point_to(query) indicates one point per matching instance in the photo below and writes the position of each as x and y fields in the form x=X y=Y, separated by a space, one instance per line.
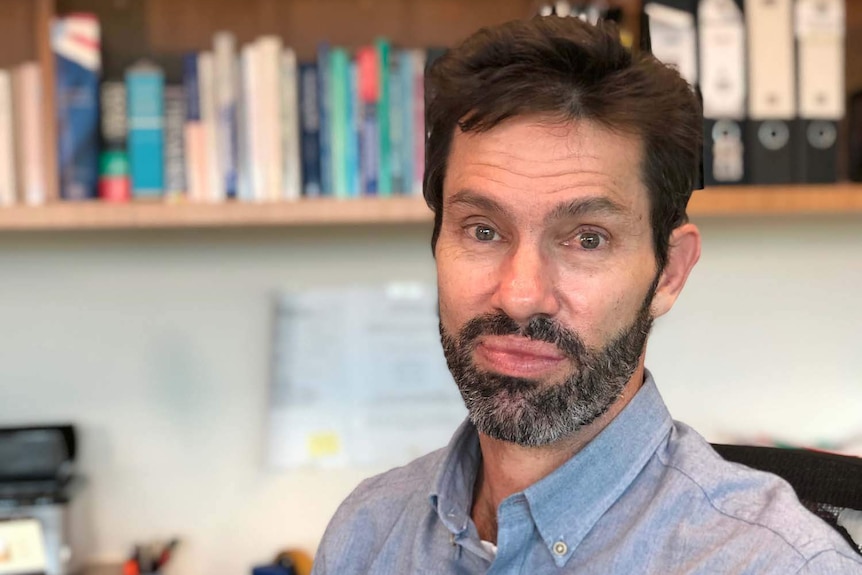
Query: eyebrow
x=472 y=199
x=593 y=205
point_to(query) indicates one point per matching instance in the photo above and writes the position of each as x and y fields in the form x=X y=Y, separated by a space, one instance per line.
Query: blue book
x=145 y=86
x=353 y=132
x=192 y=87
x=309 y=120
x=75 y=43
x=324 y=102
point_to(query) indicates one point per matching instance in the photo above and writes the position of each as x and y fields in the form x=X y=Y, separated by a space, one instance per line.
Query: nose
x=526 y=285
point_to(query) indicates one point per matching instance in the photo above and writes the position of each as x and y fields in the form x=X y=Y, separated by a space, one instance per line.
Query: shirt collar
x=566 y=504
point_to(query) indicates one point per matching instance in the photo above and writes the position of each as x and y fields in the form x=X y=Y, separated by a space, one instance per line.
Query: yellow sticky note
x=324 y=444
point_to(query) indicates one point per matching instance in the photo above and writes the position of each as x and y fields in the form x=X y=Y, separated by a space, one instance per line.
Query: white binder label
x=771 y=62
x=820 y=33
x=722 y=59
x=673 y=39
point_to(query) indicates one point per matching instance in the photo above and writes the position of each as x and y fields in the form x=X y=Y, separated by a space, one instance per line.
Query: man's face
x=546 y=272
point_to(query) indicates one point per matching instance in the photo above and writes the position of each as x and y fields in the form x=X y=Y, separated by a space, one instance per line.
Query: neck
x=508 y=468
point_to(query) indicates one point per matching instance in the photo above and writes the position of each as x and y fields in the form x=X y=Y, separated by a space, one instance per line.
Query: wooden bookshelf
x=714 y=202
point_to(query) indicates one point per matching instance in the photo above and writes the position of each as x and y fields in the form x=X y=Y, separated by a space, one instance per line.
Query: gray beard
x=527 y=412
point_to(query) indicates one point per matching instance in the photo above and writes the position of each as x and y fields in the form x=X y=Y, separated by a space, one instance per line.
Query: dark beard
x=532 y=413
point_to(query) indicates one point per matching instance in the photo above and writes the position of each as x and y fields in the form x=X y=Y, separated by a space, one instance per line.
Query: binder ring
x=822 y=135
x=773 y=134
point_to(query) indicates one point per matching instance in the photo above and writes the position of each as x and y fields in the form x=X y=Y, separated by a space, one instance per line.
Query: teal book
x=384 y=181
x=339 y=80
x=145 y=87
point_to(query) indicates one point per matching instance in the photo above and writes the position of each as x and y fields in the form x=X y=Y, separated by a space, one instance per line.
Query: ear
x=683 y=253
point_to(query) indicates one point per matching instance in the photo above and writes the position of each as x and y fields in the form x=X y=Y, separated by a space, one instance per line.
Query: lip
x=518 y=356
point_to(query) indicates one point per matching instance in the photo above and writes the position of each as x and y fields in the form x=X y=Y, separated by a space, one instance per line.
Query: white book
x=251 y=173
x=290 y=124
x=268 y=56
x=225 y=81
x=27 y=96
x=217 y=191
x=8 y=180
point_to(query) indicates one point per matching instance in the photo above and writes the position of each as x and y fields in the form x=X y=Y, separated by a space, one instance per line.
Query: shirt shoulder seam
x=823 y=552
x=738 y=518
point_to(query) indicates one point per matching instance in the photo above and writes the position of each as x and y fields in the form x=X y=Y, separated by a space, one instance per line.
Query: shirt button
x=560 y=548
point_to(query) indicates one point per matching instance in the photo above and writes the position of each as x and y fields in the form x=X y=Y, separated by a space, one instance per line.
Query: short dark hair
x=571 y=70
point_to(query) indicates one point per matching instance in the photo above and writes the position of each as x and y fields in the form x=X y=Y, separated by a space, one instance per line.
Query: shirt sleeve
x=832 y=563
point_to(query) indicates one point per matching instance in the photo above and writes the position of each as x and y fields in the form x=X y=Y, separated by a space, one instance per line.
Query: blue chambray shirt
x=647 y=495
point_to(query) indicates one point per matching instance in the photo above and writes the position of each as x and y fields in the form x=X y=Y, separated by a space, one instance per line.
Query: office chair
x=825 y=483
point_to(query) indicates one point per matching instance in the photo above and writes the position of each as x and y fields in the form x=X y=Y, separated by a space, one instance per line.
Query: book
x=384 y=176
x=29 y=133
x=397 y=101
x=339 y=78
x=310 y=129
x=175 y=118
x=251 y=168
x=145 y=84
x=8 y=176
x=352 y=151
x=216 y=190
x=194 y=135
x=418 y=127
x=225 y=84
x=114 y=184
x=323 y=115
x=268 y=56
x=292 y=172
x=369 y=141
x=75 y=42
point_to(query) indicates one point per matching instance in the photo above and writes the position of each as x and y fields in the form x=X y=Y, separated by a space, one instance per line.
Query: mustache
x=539 y=328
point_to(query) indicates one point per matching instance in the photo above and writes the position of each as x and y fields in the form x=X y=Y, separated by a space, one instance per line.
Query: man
x=559 y=168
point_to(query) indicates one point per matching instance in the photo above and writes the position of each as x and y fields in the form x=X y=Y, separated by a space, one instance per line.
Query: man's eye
x=485 y=233
x=590 y=240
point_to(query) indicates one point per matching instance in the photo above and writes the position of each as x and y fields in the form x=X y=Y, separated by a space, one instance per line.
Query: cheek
x=463 y=287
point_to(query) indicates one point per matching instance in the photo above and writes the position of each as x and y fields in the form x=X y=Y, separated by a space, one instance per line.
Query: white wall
x=156 y=345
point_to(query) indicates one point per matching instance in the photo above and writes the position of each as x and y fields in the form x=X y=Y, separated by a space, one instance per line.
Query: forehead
x=529 y=162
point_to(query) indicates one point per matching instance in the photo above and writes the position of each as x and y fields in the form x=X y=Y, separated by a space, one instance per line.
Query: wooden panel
x=17 y=42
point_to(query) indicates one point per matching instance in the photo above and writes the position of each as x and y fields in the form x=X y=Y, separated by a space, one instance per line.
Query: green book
x=384 y=183
x=339 y=77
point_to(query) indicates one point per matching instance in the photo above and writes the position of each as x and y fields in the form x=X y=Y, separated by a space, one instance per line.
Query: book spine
x=353 y=115
x=253 y=172
x=369 y=141
x=292 y=176
x=324 y=105
x=310 y=126
x=175 y=160
x=145 y=89
x=114 y=184
x=339 y=72
x=216 y=190
x=269 y=57
x=384 y=177
x=8 y=180
x=396 y=124
x=405 y=150
x=27 y=83
x=418 y=121
x=225 y=82
x=194 y=137
x=75 y=44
